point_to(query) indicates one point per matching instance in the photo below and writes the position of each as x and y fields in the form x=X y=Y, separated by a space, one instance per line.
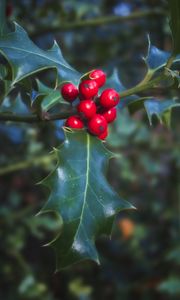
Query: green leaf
x=171 y=286
x=161 y=109
x=156 y=58
x=114 y=82
x=14 y=106
x=46 y=97
x=26 y=58
x=174 y=6
x=81 y=195
x=52 y=99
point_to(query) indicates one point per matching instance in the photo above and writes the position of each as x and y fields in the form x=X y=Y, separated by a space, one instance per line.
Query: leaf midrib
x=35 y=53
x=86 y=188
x=87 y=181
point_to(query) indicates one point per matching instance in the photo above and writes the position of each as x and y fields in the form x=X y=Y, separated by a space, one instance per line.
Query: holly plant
x=79 y=192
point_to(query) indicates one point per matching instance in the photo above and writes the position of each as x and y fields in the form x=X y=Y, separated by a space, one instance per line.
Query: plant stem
x=99 y=21
x=63 y=115
x=36 y=161
x=20 y=260
x=146 y=83
x=36 y=119
x=141 y=87
x=170 y=61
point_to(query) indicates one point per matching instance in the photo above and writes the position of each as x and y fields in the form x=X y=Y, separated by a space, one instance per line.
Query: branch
x=36 y=119
x=147 y=83
x=36 y=161
x=144 y=85
x=169 y=62
x=99 y=21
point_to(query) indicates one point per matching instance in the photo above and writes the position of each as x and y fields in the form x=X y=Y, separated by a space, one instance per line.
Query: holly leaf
x=53 y=99
x=174 y=7
x=25 y=58
x=156 y=58
x=5 y=87
x=114 y=82
x=46 y=98
x=14 y=106
x=82 y=197
x=161 y=109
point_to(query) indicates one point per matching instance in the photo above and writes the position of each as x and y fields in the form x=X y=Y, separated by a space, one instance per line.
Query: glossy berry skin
x=99 y=76
x=88 y=89
x=87 y=109
x=74 y=122
x=110 y=114
x=97 y=125
x=109 y=98
x=103 y=135
x=69 y=92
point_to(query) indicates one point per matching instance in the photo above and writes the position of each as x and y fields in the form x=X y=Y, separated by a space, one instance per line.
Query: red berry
x=69 y=91
x=109 y=98
x=103 y=135
x=87 y=109
x=74 y=122
x=110 y=114
x=99 y=76
x=88 y=89
x=97 y=124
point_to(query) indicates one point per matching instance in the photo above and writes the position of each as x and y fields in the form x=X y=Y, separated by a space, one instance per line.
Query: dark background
x=142 y=259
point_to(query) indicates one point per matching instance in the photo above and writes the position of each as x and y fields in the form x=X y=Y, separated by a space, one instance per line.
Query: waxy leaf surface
x=26 y=58
x=83 y=198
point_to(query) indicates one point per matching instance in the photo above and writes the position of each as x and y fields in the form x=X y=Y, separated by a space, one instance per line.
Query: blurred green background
x=142 y=260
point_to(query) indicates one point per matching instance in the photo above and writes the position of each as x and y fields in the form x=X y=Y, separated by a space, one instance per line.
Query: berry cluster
x=93 y=111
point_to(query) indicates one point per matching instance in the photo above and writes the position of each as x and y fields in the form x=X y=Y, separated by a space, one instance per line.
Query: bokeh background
x=142 y=260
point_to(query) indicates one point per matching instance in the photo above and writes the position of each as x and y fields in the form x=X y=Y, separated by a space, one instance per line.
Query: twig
x=36 y=119
x=36 y=161
x=98 y=21
x=63 y=115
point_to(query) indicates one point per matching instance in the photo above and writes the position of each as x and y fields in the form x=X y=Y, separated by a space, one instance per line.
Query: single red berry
x=69 y=91
x=110 y=114
x=109 y=98
x=74 y=122
x=97 y=124
x=103 y=135
x=87 y=109
x=88 y=89
x=99 y=76
x=9 y=10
